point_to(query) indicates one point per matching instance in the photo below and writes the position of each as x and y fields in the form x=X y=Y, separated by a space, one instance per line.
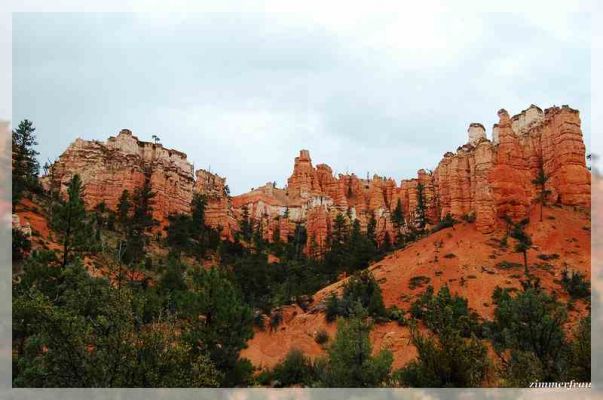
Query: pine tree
x=245 y=224
x=340 y=233
x=71 y=222
x=421 y=211
x=524 y=241
x=199 y=230
x=140 y=223
x=398 y=215
x=351 y=363
x=123 y=207
x=25 y=165
x=540 y=182
x=371 y=229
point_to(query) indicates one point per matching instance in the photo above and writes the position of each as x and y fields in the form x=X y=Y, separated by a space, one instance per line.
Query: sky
x=242 y=92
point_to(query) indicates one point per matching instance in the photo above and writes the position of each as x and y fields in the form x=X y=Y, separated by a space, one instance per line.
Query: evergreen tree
x=295 y=369
x=21 y=245
x=421 y=209
x=139 y=224
x=398 y=216
x=73 y=330
x=581 y=352
x=351 y=363
x=25 y=165
x=71 y=222
x=523 y=240
x=445 y=360
x=386 y=244
x=538 y=352
x=540 y=182
x=245 y=225
x=123 y=207
x=225 y=322
x=360 y=248
x=371 y=229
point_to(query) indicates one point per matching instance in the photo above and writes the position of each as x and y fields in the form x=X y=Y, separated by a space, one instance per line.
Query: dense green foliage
x=350 y=360
x=25 y=167
x=445 y=360
x=72 y=330
x=21 y=245
x=71 y=221
x=576 y=285
x=444 y=312
x=360 y=290
x=188 y=234
x=528 y=335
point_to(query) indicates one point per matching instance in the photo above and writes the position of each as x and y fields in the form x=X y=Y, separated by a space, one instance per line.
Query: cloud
x=379 y=92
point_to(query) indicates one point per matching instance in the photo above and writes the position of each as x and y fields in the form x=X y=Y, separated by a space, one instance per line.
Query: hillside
x=467 y=261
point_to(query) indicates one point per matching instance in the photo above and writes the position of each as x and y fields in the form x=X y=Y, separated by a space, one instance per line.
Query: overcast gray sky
x=243 y=92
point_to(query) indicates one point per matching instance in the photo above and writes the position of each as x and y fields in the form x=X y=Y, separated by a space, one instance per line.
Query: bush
x=508 y=265
x=350 y=362
x=295 y=369
x=275 y=320
x=445 y=361
x=444 y=312
x=575 y=284
x=362 y=289
x=539 y=352
x=332 y=308
x=469 y=217
x=395 y=314
x=258 y=320
x=321 y=337
x=418 y=281
x=447 y=222
x=21 y=245
x=547 y=257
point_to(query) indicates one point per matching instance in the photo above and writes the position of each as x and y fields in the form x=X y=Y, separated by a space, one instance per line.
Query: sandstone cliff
x=484 y=178
x=124 y=163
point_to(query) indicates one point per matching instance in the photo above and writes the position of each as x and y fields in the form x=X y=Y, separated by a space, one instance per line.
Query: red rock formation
x=488 y=179
x=124 y=163
x=218 y=211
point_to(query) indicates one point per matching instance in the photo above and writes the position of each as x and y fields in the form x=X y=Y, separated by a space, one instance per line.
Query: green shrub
x=575 y=284
x=508 y=265
x=418 y=281
x=21 y=245
x=444 y=312
x=321 y=337
x=447 y=222
x=361 y=289
x=395 y=314
x=295 y=369
x=445 y=361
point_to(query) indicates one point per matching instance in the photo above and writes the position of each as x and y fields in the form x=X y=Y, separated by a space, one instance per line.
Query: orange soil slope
x=466 y=261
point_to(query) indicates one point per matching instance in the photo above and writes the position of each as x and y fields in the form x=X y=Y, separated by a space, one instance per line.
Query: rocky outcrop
x=484 y=178
x=125 y=163
x=218 y=210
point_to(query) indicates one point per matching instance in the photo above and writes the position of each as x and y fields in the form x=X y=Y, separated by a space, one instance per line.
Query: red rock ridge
x=486 y=178
x=124 y=163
